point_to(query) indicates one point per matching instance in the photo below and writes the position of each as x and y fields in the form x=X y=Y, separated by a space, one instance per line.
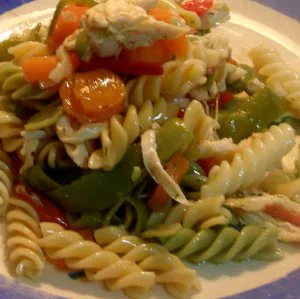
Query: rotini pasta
x=10 y=133
x=6 y=180
x=27 y=50
x=212 y=48
x=14 y=85
x=115 y=135
x=260 y=153
x=170 y=271
x=179 y=78
x=129 y=134
x=279 y=75
x=24 y=231
x=98 y=264
x=252 y=242
x=203 y=127
x=202 y=214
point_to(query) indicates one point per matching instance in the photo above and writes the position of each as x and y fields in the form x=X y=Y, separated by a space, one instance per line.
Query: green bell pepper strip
x=60 y=6
x=141 y=213
x=107 y=221
x=195 y=177
x=83 y=47
x=172 y=137
x=85 y=220
x=93 y=190
x=254 y=115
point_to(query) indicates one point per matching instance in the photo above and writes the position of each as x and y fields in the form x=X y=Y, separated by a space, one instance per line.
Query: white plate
x=251 y=24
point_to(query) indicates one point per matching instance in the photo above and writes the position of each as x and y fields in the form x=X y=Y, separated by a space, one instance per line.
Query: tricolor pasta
x=131 y=140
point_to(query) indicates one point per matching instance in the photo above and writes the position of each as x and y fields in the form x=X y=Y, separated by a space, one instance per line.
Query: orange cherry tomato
x=93 y=96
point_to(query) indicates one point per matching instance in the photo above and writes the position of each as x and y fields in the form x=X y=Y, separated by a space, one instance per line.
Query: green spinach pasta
x=133 y=144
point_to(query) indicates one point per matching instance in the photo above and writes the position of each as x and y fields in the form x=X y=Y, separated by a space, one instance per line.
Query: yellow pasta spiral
x=177 y=279
x=6 y=180
x=98 y=264
x=24 y=232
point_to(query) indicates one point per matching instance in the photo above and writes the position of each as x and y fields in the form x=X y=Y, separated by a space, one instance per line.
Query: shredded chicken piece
x=156 y=170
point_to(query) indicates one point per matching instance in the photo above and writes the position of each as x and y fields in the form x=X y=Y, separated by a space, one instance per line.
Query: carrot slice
x=38 y=68
x=67 y=22
x=176 y=167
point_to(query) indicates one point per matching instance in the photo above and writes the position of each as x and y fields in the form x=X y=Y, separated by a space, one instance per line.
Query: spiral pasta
x=259 y=153
x=190 y=17
x=14 y=85
x=98 y=264
x=115 y=135
x=52 y=153
x=279 y=75
x=28 y=49
x=24 y=232
x=252 y=242
x=6 y=180
x=212 y=48
x=179 y=78
x=177 y=279
x=10 y=133
x=202 y=214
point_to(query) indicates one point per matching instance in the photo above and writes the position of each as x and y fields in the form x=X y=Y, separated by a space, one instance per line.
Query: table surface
x=288 y=7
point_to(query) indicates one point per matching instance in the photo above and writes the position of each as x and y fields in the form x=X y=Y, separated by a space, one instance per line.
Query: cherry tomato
x=93 y=96
x=200 y=7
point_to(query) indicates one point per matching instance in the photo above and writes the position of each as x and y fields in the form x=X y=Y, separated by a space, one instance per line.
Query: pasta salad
x=133 y=144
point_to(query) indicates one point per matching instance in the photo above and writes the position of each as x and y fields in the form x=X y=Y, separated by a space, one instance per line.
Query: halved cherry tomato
x=93 y=96
x=46 y=209
x=67 y=22
x=223 y=99
x=280 y=212
x=176 y=167
x=200 y=7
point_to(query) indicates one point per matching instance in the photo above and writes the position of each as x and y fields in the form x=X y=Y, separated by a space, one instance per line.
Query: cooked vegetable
x=46 y=210
x=93 y=96
x=200 y=7
x=86 y=191
x=38 y=68
x=171 y=138
x=176 y=167
x=254 y=115
x=156 y=53
x=282 y=213
x=195 y=177
x=86 y=219
x=122 y=66
x=223 y=99
x=60 y=6
x=67 y=22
